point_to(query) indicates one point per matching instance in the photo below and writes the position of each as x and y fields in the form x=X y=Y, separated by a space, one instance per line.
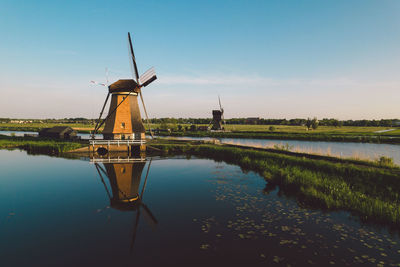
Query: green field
x=320 y=129
x=280 y=132
x=35 y=127
x=228 y=127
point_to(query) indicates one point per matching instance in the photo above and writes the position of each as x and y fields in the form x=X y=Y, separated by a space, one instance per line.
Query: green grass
x=292 y=136
x=230 y=127
x=38 y=145
x=35 y=127
x=282 y=132
x=365 y=189
x=303 y=129
x=350 y=130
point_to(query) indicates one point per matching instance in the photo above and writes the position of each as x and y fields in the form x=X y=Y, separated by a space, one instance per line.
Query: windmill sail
x=133 y=57
x=148 y=77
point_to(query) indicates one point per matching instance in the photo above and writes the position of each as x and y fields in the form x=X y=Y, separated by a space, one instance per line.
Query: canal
x=191 y=211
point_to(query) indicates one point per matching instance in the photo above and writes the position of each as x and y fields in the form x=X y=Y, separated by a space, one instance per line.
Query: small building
x=59 y=132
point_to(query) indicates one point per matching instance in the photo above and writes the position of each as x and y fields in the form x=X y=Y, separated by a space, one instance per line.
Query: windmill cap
x=125 y=85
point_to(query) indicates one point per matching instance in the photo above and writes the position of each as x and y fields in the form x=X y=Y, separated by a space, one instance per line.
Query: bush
x=386 y=161
x=284 y=147
x=271 y=128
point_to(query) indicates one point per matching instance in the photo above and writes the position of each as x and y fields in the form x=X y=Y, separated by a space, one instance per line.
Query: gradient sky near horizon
x=272 y=59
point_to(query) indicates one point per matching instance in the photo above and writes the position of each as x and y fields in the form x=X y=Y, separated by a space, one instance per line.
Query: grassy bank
x=38 y=145
x=366 y=189
x=38 y=128
x=281 y=132
x=291 y=136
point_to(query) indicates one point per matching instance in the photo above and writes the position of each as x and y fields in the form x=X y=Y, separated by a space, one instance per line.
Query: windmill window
x=123 y=125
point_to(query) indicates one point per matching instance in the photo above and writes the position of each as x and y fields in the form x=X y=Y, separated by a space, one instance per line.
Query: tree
x=308 y=123
x=314 y=123
x=193 y=127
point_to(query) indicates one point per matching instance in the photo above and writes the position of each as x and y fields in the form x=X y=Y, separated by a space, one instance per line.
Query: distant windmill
x=123 y=120
x=218 y=117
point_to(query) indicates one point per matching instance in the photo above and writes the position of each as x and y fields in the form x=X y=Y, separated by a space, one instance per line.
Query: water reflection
x=210 y=214
x=124 y=176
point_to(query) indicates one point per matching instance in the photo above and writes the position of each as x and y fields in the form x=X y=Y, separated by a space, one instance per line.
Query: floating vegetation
x=287 y=234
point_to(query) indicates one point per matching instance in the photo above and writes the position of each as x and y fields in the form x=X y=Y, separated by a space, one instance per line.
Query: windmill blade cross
x=145 y=112
x=96 y=128
x=97 y=83
x=135 y=229
x=108 y=83
x=112 y=112
x=145 y=180
x=148 y=77
x=222 y=110
x=149 y=217
x=133 y=58
x=102 y=180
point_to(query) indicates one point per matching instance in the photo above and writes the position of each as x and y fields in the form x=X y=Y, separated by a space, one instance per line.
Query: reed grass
x=38 y=145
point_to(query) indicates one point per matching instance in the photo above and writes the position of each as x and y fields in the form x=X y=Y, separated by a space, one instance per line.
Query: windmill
x=218 y=117
x=124 y=120
x=124 y=180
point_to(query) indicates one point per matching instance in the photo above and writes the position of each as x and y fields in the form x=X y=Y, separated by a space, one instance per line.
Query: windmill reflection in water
x=124 y=176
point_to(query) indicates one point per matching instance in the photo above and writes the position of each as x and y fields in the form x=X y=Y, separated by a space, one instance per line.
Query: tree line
x=294 y=122
x=258 y=121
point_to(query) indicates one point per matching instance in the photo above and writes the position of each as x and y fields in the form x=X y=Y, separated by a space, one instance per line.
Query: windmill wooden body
x=124 y=120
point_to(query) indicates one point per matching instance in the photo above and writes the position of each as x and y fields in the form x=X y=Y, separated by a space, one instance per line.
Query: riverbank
x=366 y=189
x=367 y=138
x=39 y=145
x=378 y=135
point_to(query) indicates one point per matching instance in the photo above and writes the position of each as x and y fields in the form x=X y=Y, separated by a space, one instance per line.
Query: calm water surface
x=61 y=212
x=339 y=149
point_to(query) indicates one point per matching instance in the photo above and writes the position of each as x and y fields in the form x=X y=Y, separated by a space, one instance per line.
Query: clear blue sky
x=274 y=59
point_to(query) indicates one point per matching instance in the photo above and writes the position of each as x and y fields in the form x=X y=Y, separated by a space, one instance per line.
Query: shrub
x=285 y=147
x=386 y=161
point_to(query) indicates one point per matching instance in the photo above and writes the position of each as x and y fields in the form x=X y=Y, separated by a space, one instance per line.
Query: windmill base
x=103 y=147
